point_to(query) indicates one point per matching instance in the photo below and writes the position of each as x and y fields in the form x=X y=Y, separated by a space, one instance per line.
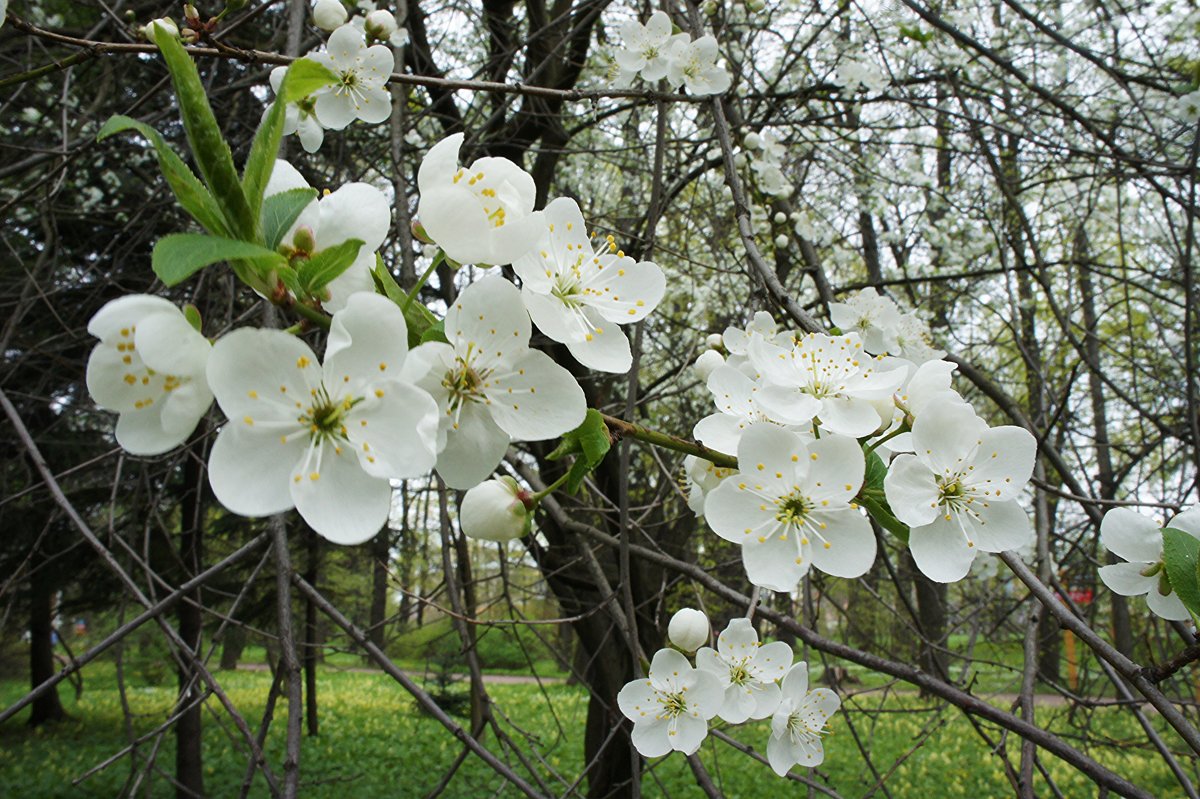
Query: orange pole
x=1072 y=675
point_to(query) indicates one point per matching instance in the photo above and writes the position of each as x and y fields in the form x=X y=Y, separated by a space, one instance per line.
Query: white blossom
x=748 y=670
x=578 y=294
x=299 y=117
x=688 y=629
x=958 y=491
x=323 y=439
x=482 y=214
x=790 y=507
x=328 y=15
x=361 y=90
x=799 y=722
x=489 y=385
x=645 y=47
x=694 y=65
x=670 y=709
x=149 y=368
x=1138 y=539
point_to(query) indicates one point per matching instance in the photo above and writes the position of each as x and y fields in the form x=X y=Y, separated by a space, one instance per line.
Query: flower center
x=325 y=418
x=739 y=673
x=672 y=704
x=793 y=509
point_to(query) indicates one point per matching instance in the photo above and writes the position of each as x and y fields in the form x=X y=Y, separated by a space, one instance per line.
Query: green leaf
x=418 y=317
x=180 y=255
x=589 y=442
x=876 y=472
x=322 y=267
x=435 y=332
x=209 y=147
x=916 y=34
x=303 y=77
x=188 y=189
x=1181 y=555
x=279 y=213
x=192 y=314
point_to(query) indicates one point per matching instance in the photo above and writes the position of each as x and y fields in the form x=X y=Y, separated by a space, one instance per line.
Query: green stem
x=548 y=490
x=901 y=429
x=311 y=314
x=412 y=295
x=884 y=516
x=620 y=428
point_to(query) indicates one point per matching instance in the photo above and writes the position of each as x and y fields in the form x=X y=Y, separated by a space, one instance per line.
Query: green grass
x=375 y=743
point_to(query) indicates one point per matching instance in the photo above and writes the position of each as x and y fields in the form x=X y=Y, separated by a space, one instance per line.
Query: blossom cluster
x=741 y=679
x=766 y=162
x=803 y=413
x=654 y=51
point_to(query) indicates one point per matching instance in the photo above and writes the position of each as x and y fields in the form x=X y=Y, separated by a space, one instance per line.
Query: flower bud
x=380 y=24
x=418 y=231
x=166 y=23
x=781 y=241
x=739 y=160
x=709 y=8
x=708 y=361
x=304 y=241
x=752 y=141
x=329 y=15
x=494 y=511
x=688 y=629
x=715 y=341
x=780 y=217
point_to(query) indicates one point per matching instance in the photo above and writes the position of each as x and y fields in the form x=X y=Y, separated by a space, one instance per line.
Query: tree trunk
x=47 y=707
x=189 y=752
x=381 y=546
x=232 y=646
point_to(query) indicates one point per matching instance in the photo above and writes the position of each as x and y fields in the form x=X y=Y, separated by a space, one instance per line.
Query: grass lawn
x=374 y=743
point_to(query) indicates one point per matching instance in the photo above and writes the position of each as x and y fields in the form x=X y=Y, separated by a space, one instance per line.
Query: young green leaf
x=317 y=271
x=1181 y=556
x=279 y=213
x=418 y=317
x=209 y=147
x=180 y=255
x=435 y=332
x=589 y=442
x=188 y=189
x=303 y=77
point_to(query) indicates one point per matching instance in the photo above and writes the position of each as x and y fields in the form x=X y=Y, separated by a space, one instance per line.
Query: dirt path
x=491 y=679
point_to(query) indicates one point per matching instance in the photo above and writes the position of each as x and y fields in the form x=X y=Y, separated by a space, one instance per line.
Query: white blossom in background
x=579 y=295
x=670 y=709
x=851 y=74
x=737 y=340
x=1188 y=107
x=707 y=362
x=799 y=722
x=482 y=214
x=494 y=510
x=299 y=117
x=958 y=491
x=700 y=477
x=766 y=162
x=329 y=15
x=914 y=340
x=645 y=48
x=149 y=368
x=874 y=317
x=323 y=439
x=489 y=385
x=688 y=629
x=1138 y=539
x=361 y=89
x=926 y=384
x=790 y=507
x=355 y=211
x=831 y=379
x=694 y=65
x=749 y=671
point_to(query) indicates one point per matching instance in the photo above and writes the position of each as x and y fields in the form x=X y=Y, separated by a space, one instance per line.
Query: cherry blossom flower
x=790 y=507
x=482 y=214
x=825 y=378
x=578 y=296
x=694 y=65
x=323 y=439
x=494 y=510
x=355 y=211
x=958 y=492
x=149 y=368
x=299 y=117
x=702 y=476
x=748 y=670
x=872 y=316
x=688 y=629
x=361 y=91
x=489 y=385
x=737 y=408
x=799 y=722
x=645 y=47
x=670 y=709
x=1136 y=538
x=707 y=363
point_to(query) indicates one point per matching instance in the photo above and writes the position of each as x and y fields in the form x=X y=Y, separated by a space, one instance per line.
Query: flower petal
x=394 y=431
x=488 y=318
x=368 y=342
x=141 y=432
x=1004 y=461
x=650 y=738
x=169 y=344
x=1002 y=525
x=1132 y=536
x=125 y=312
x=1169 y=607
x=338 y=499
x=536 y=398
x=737 y=513
x=355 y=211
x=772 y=661
x=774 y=563
x=911 y=490
x=849 y=546
x=473 y=449
x=605 y=349
x=795 y=683
x=940 y=550
x=1127 y=579
x=690 y=732
x=262 y=373
x=250 y=469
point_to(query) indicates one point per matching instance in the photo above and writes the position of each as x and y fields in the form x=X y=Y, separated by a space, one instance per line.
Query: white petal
x=720 y=432
x=776 y=458
x=141 y=432
x=262 y=373
x=766 y=701
x=940 y=550
x=849 y=546
x=638 y=699
x=774 y=563
x=911 y=490
x=368 y=341
x=690 y=732
x=488 y=318
x=795 y=683
x=788 y=405
x=553 y=318
x=738 y=705
x=355 y=280
x=473 y=449
x=772 y=661
x=394 y=431
x=849 y=416
x=1127 y=579
x=737 y=513
x=779 y=755
x=945 y=434
x=125 y=312
x=1130 y=535
x=169 y=344
x=334 y=111
x=650 y=737
x=183 y=407
x=836 y=470
x=625 y=291
x=706 y=694
x=1169 y=607
x=114 y=384
x=250 y=469
x=536 y=398
x=738 y=640
x=374 y=104
x=1188 y=522
x=1004 y=462
x=338 y=499
x=285 y=177
x=605 y=349
x=1002 y=525
x=667 y=668
x=355 y=211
